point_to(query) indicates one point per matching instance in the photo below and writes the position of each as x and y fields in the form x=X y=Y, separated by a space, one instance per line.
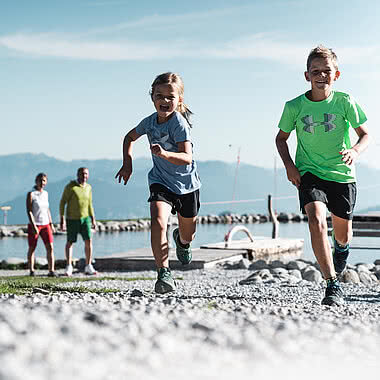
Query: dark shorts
x=44 y=231
x=187 y=205
x=78 y=226
x=340 y=198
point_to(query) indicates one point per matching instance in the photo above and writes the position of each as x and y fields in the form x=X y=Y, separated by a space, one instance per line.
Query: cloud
x=263 y=46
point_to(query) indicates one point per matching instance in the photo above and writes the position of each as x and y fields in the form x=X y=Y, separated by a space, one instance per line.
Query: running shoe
x=90 y=270
x=69 y=270
x=340 y=255
x=334 y=295
x=183 y=251
x=165 y=282
x=52 y=274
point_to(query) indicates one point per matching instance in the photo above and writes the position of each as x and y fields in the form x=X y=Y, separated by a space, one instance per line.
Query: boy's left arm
x=350 y=155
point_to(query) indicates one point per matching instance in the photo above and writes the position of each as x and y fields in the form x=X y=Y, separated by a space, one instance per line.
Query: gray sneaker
x=183 y=253
x=165 y=282
x=334 y=295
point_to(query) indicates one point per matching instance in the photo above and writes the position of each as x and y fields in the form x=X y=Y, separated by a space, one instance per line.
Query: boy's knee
x=343 y=238
x=317 y=223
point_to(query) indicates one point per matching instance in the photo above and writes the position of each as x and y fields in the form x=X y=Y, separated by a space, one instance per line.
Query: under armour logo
x=327 y=123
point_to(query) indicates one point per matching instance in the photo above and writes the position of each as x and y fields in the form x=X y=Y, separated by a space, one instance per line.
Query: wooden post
x=273 y=218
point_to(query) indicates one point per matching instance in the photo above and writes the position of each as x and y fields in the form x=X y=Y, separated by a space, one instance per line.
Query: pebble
x=212 y=327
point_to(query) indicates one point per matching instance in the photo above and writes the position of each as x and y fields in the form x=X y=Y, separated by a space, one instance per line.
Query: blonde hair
x=174 y=80
x=322 y=52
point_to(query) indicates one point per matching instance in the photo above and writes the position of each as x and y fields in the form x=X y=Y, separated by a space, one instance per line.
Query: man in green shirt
x=80 y=217
x=324 y=170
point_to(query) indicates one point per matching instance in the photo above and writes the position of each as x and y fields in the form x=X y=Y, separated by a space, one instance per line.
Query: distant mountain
x=115 y=201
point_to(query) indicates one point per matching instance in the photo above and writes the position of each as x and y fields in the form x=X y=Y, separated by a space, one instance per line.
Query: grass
x=25 y=284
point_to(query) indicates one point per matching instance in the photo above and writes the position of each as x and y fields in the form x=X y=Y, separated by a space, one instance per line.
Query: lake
x=116 y=242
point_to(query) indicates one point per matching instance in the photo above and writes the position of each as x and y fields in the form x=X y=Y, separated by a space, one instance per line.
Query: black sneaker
x=334 y=295
x=339 y=256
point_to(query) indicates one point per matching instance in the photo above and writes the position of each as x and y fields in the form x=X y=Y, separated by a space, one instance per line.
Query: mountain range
x=221 y=181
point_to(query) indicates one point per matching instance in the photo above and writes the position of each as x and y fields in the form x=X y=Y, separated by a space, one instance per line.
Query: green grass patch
x=25 y=284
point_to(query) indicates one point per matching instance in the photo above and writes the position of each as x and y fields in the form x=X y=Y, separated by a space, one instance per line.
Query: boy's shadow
x=370 y=298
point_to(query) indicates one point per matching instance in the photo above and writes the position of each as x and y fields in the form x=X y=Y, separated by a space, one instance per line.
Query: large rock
x=350 y=276
x=312 y=275
x=297 y=264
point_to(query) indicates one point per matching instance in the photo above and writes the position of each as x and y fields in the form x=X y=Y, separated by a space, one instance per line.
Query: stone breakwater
x=210 y=328
x=300 y=270
x=144 y=224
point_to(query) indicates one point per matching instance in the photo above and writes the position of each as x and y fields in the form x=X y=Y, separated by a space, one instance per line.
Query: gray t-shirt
x=180 y=179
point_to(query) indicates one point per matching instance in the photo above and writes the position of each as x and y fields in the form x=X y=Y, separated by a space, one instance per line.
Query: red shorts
x=43 y=231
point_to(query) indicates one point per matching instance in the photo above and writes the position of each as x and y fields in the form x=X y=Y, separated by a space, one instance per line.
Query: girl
x=173 y=181
x=40 y=223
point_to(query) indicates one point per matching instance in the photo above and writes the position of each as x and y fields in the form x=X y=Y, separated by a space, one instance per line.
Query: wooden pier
x=207 y=256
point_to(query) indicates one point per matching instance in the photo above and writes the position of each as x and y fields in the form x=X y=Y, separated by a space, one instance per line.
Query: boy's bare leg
x=159 y=213
x=316 y=213
x=342 y=229
x=88 y=250
x=69 y=252
x=187 y=227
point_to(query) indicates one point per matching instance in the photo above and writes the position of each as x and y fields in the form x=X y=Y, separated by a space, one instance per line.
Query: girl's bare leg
x=160 y=212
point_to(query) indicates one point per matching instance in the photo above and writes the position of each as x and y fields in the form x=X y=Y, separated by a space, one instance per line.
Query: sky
x=75 y=74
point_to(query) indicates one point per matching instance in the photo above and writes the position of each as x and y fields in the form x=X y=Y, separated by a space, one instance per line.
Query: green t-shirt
x=322 y=132
x=78 y=199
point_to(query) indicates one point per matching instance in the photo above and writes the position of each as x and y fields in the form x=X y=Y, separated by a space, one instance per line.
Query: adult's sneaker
x=340 y=255
x=334 y=295
x=52 y=274
x=90 y=270
x=165 y=282
x=69 y=270
x=183 y=251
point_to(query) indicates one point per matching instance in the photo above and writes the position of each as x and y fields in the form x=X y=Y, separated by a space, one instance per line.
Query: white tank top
x=40 y=207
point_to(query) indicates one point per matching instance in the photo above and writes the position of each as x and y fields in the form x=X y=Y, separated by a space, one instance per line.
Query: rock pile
x=144 y=224
x=303 y=270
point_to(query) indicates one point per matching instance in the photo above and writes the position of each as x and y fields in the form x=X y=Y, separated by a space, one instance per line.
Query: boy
x=323 y=170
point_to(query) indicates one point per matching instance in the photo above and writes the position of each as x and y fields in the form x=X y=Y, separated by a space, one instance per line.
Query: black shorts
x=340 y=198
x=187 y=205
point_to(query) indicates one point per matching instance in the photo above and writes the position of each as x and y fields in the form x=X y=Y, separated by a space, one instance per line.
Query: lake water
x=116 y=242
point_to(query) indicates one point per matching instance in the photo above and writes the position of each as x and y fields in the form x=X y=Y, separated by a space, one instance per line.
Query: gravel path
x=211 y=328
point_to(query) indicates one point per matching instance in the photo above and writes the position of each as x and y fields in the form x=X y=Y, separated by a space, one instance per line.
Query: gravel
x=212 y=327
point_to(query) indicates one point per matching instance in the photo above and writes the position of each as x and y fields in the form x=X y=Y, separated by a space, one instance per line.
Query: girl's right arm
x=30 y=213
x=125 y=171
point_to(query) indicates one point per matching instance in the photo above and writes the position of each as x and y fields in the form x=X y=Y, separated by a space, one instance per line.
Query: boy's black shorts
x=187 y=205
x=340 y=198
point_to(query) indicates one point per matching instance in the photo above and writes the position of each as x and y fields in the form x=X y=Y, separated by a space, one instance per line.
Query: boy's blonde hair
x=322 y=52
x=174 y=80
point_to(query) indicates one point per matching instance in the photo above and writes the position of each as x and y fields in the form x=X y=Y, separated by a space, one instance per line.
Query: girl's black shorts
x=187 y=205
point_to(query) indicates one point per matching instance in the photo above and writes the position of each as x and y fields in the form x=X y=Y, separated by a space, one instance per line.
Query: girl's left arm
x=184 y=156
x=350 y=155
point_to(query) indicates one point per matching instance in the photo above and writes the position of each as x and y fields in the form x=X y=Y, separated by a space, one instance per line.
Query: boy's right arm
x=282 y=147
x=125 y=171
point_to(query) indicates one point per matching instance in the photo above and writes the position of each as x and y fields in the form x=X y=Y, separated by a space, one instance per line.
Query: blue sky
x=75 y=74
